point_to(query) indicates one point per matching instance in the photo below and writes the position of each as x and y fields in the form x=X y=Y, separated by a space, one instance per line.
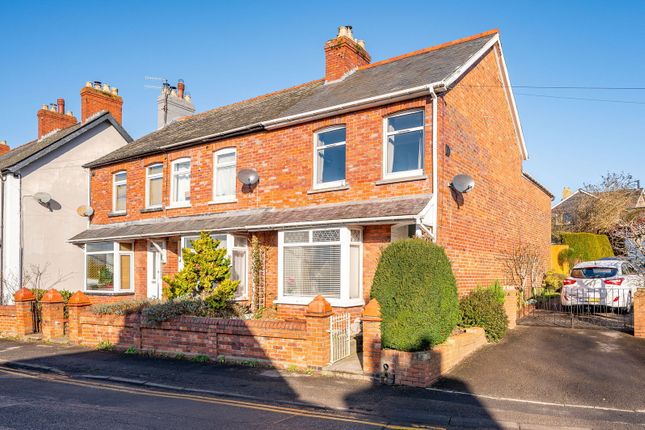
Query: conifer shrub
x=417 y=291
x=482 y=308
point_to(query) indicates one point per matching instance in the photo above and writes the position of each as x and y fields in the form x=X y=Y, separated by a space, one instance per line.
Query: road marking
x=535 y=402
x=11 y=348
x=218 y=401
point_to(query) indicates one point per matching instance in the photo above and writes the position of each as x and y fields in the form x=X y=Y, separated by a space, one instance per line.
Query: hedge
x=588 y=246
x=417 y=291
x=482 y=308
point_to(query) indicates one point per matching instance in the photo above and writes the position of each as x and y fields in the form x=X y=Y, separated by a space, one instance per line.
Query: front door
x=156 y=250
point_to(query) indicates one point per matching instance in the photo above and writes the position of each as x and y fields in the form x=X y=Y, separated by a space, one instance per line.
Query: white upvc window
x=325 y=262
x=109 y=267
x=236 y=251
x=224 y=170
x=180 y=182
x=403 y=141
x=119 y=192
x=329 y=157
x=154 y=185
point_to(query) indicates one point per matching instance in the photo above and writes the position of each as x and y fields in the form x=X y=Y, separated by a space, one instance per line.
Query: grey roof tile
x=400 y=74
x=259 y=219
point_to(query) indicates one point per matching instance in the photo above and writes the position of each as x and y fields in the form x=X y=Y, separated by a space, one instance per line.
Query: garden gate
x=340 y=336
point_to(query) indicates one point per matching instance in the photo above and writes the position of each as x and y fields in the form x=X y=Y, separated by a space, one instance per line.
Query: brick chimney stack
x=54 y=117
x=4 y=147
x=97 y=97
x=173 y=103
x=344 y=54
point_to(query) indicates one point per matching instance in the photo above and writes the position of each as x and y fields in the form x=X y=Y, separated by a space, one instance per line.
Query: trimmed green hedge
x=482 y=308
x=588 y=246
x=417 y=291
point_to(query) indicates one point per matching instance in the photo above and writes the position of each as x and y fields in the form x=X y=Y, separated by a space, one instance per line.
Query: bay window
x=154 y=185
x=224 y=167
x=236 y=251
x=180 y=182
x=325 y=262
x=119 y=195
x=329 y=157
x=403 y=145
x=109 y=267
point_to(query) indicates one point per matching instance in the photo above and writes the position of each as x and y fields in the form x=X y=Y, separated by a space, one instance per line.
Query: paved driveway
x=599 y=368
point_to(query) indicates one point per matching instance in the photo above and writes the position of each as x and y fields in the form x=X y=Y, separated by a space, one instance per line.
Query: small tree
x=206 y=274
x=524 y=269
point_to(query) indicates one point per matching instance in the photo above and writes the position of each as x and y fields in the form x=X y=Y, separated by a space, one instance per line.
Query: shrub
x=206 y=274
x=105 y=345
x=481 y=308
x=588 y=246
x=158 y=313
x=417 y=291
x=568 y=256
x=553 y=280
x=498 y=291
x=124 y=307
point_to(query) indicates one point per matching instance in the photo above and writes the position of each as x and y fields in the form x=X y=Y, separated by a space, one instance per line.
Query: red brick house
x=346 y=164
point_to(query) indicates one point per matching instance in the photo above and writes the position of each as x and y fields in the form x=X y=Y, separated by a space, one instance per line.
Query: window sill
x=221 y=200
x=153 y=209
x=328 y=189
x=108 y=293
x=116 y=214
x=179 y=206
x=304 y=301
x=401 y=179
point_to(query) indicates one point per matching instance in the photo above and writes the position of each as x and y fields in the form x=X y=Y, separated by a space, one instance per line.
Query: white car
x=607 y=283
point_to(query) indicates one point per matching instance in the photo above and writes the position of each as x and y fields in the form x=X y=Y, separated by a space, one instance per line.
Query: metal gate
x=36 y=316
x=340 y=336
x=589 y=308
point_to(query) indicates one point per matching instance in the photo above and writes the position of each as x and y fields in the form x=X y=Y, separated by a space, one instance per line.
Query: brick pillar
x=510 y=306
x=75 y=307
x=53 y=315
x=317 y=316
x=372 y=338
x=24 y=318
x=639 y=313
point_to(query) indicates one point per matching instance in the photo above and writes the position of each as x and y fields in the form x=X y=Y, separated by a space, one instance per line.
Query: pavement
x=465 y=398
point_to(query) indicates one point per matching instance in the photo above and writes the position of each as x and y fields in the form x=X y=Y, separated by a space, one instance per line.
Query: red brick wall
x=284 y=179
x=49 y=121
x=639 y=313
x=341 y=56
x=504 y=208
x=94 y=101
x=7 y=320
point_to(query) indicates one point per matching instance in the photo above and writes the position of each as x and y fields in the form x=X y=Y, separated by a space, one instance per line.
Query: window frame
x=116 y=273
x=386 y=135
x=174 y=203
x=115 y=184
x=345 y=260
x=332 y=184
x=149 y=177
x=230 y=238
x=230 y=198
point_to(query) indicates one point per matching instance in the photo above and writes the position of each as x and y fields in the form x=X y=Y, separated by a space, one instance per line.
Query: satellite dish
x=43 y=198
x=248 y=176
x=463 y=183
x=85 y=211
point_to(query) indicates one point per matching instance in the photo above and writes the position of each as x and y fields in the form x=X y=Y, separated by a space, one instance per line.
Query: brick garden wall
x=8 y=320
x=505 y=208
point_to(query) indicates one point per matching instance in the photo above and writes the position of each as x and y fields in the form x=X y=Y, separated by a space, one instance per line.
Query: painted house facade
x=44 y=184
x=346 y=164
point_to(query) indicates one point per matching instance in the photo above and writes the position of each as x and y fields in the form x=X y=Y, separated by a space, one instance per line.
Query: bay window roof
x=394 y=210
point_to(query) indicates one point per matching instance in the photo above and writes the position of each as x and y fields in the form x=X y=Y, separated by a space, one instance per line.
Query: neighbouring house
x=324 y=175
x=45 y=187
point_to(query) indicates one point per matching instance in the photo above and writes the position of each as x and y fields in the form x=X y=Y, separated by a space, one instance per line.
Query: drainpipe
x=2 y=194
x=435 y=174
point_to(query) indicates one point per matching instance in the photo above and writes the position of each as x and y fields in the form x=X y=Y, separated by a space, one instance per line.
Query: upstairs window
x=224 y=162
x=119 y=196
x=154 y=184
x=180 y=182
x=329 y=158
x=403 y=140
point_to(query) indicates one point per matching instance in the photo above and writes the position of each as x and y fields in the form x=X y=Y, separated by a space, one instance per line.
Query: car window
x=594 y=272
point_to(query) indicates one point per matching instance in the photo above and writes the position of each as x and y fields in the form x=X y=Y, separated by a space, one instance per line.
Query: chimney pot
x=115 y=91
x=61 y=105
x=180 y=88
x=106 y=88
x=45 y=107
x=88 y=84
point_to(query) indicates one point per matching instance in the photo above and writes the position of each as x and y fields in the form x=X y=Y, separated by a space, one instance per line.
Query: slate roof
x=260 y=219
x=409 y=71
x=31 y=151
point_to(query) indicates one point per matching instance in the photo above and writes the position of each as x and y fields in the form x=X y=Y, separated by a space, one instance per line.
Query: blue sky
x=231 y=51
